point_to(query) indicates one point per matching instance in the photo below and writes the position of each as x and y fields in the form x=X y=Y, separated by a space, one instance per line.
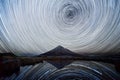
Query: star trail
x=37 y=26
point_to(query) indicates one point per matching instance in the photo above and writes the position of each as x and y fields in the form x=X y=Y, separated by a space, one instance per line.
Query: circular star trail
x=37 y=26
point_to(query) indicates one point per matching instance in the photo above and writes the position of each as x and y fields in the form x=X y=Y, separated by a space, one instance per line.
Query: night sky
x=37 y=26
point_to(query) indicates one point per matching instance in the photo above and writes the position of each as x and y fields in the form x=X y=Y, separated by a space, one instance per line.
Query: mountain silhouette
x=60 y=51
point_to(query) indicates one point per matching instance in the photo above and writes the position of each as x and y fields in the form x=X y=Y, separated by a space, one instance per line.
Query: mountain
x=59 y=51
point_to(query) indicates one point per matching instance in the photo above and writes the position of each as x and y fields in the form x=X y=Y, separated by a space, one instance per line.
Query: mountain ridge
x=59 y=51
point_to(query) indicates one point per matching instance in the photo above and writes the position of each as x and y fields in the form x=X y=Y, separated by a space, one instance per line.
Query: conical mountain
x=59 y=51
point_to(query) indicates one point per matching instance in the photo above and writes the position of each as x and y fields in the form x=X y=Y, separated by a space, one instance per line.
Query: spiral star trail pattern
x=37 y=26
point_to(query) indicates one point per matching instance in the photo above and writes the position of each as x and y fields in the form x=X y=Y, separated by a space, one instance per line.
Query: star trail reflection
x=86 y=70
